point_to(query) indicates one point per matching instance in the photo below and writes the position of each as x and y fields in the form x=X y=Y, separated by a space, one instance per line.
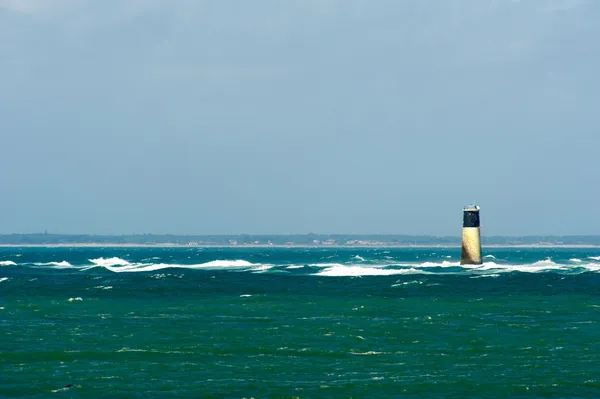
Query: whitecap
x=7 y=263
x=3 y=279
x=58 y=265
x=356 y=271
x=486 y=275
x=407 y=283
x=66 y=388
x=149 y=267
x=109 y=262
x=131 y=350
x=261 y=268
x=325 y=264
x=444 y=263
x=75 y=299
x=536 y=267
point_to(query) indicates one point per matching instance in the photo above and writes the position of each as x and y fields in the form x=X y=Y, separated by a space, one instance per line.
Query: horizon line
x=287 y=234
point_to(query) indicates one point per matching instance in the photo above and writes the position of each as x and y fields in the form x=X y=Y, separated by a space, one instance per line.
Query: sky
x=277 y=117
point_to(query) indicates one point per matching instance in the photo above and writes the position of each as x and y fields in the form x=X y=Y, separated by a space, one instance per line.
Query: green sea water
x=298 y=323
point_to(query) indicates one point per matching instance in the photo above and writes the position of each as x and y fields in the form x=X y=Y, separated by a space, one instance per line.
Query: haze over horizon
x=329 y=116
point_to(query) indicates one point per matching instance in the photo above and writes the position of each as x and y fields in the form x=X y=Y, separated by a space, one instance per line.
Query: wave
x=491 y=269
x=527 y=268
x=7 y=263
x=122 y=266
x=444 y=263
x=110 y=262
x=493 y=275
x=63 y=264
x=3 y=279
x=359 y=271
x=355 y=266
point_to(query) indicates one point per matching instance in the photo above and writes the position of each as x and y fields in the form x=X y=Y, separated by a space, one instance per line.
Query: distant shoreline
x=241 y=246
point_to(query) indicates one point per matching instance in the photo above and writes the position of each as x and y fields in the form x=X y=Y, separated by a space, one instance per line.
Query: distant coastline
x=399 y=246
x=289 y=241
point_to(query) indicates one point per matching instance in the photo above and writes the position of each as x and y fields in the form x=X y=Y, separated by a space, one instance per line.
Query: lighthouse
x=471 y=237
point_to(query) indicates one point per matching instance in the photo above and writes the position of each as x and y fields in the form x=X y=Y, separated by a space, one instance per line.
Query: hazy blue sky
x=385 y=116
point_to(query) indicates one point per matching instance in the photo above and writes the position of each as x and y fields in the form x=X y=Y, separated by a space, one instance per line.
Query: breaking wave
x=357 y=271
x=110 y=262
x=351 y=266
x=7 y=263
x=63 y=264
x=118 y=265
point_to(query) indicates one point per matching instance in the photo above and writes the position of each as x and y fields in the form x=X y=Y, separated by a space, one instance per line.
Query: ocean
x=298 y=323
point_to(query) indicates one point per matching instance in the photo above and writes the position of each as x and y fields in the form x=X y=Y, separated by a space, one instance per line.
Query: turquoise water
x=306 y=323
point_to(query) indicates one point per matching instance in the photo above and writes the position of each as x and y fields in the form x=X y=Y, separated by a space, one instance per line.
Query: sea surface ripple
x=298 y=323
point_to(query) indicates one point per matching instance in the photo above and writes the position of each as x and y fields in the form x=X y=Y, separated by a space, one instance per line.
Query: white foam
x=60 y=389
x=341 y=271
x=545 y=262
x=75 y=299
x=109 y=262
x=7 y=263
x=486 y=275
x=227 y=263
x=337 y=269
x=360 y=258
x=261 y=268
x=3 y=279
x=536 y=267
x=58 y=265
x=575 y=260
x=369 y=353
x=594 y=257
x=490 y=256
x=131 y=350
x=444 y=263
x=149 y=267
x=591 y=266
x=325 y=264
x=407 y=283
